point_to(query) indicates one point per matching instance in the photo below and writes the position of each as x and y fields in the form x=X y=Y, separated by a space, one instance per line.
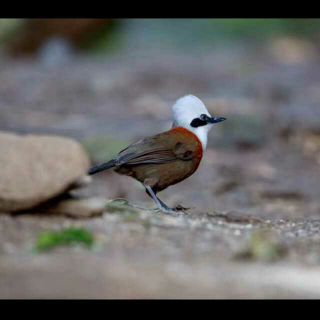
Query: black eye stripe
x=197 y=122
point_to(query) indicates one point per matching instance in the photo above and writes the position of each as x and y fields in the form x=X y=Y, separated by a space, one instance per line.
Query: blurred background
x=111 y=82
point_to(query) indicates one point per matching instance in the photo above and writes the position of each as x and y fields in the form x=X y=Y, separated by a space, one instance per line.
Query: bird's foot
x=164 y=208
x=167 y=210
x=179 y=207
x=161 y=206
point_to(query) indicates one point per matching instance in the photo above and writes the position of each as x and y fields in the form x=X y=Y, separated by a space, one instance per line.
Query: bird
x=165 y=159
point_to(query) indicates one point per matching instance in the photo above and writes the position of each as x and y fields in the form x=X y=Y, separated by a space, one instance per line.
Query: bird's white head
x=190 y=112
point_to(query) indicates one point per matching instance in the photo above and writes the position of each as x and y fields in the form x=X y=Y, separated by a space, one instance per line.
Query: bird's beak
x=215 y=120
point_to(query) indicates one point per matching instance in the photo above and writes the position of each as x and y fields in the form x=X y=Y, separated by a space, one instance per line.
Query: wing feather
x=148 y=151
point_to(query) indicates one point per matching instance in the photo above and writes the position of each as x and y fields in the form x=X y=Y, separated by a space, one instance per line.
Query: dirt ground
x=258 y=184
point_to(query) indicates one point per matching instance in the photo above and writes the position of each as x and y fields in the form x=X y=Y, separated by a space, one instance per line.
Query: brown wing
x=156 y=150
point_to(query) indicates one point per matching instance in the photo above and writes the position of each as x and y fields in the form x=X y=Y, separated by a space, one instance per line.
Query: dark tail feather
x=101 y=167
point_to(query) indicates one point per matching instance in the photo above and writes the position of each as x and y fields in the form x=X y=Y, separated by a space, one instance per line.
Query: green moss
x=120 y=205
x=69 y=236
x=263 y=246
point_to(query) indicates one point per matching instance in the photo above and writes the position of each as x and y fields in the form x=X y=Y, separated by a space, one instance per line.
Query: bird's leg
x=165 y=206
x=162 y=207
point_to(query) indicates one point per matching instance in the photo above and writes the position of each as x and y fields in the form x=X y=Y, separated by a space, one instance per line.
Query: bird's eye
x=203 y=117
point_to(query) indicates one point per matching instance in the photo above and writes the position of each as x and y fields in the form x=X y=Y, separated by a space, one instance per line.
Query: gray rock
x=81 y=182
x=77 y=208
x=35 y=169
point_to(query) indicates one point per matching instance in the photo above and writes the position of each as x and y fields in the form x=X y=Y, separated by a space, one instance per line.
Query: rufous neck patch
x=192 y=136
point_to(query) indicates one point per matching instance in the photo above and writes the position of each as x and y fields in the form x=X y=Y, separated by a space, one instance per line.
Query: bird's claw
x=169 y=211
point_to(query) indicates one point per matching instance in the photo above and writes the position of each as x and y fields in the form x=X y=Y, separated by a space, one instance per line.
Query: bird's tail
x=101 y=167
